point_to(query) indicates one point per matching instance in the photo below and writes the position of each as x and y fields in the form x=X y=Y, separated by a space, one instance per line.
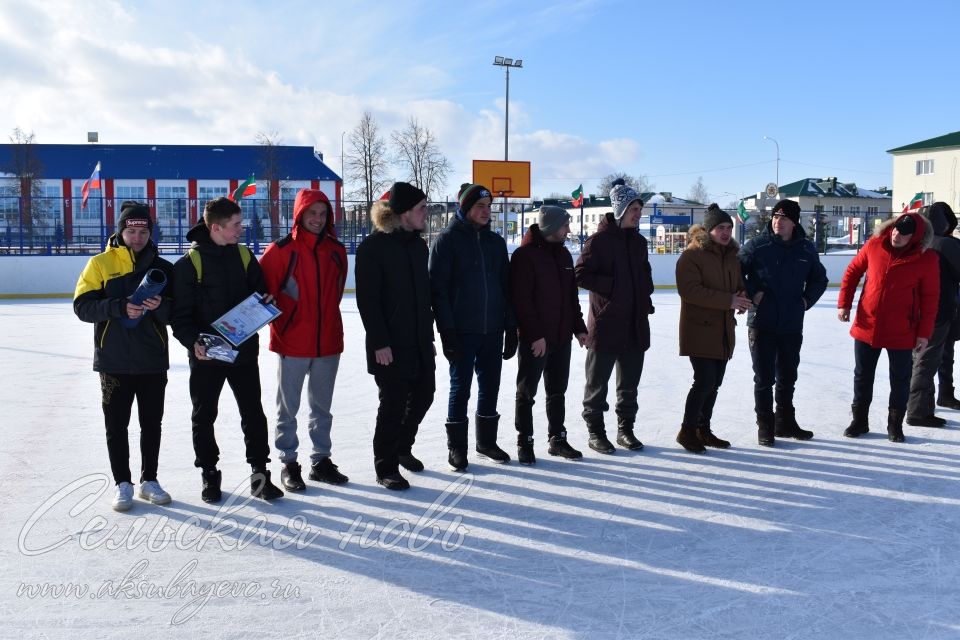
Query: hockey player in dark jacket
x=132 y=361
x=784 y=278
x=208 y=283
x=393 y=298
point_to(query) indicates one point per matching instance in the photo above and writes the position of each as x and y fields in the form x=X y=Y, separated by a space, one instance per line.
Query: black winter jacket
x=393 y=298
x=108 y=279
x=224 y=285
x=790 y=275
x=469 y=280
x=947 y=247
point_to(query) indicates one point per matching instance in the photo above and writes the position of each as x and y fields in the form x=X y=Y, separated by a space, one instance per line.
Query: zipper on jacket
x=486 y=295
x=316 y=265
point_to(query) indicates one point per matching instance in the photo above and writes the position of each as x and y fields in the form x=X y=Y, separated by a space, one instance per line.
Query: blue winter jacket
x=790 y=275
x=469 y=280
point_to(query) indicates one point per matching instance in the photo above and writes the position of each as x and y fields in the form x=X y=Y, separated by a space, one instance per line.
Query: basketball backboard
x=504 y=178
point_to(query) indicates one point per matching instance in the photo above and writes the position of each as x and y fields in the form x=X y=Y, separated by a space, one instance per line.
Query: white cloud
x=73 y=70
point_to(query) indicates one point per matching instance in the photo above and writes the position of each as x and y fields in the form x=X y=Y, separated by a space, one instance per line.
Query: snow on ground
x=831 y=538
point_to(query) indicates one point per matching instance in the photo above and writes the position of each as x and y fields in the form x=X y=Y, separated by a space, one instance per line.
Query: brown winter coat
x=707 y=277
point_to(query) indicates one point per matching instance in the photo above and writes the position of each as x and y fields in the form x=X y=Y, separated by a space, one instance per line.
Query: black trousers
x=707 y=378
x=776 y=358
x=554 y=367
x=945 y=371
x=866 y=357
x=922 y=402
x=599 y=366
x=118 y=392
x=403 y=404
x=206 y=383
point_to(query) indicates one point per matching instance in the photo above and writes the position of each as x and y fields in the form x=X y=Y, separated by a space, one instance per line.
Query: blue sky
x=672 y=90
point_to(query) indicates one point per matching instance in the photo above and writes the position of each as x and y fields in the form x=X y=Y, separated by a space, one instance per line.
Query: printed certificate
x=245 y=319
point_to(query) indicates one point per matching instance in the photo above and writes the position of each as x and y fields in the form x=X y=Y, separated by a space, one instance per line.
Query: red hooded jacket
x=899 y=300
x=306 y=273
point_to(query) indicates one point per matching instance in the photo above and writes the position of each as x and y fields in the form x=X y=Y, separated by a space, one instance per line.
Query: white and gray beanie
x=620 y=198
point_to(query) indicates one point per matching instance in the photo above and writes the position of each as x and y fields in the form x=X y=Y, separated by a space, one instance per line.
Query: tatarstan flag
x=742 y=212
x=247 y=188
x=577 y=196
x=915 y=203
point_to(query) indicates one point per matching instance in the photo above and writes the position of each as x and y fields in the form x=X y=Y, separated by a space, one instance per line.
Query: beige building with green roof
x=929 y=167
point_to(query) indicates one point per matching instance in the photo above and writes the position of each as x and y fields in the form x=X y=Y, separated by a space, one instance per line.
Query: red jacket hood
x=307 y=197
x=921 y=239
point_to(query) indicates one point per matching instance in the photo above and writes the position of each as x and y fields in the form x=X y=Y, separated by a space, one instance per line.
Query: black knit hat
x=906 y=225
x=134 y=214
x=715 y=216
x=552 y=219
x=404 y=196
x=469 y=194
x=788 y=208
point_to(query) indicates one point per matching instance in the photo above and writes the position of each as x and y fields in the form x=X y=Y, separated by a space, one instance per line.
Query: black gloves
x=510 y=342
x=451 y=346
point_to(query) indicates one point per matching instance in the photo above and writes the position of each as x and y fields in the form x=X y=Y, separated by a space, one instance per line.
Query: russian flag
x=92 y=183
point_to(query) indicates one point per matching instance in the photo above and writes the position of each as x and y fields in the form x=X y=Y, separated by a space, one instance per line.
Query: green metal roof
x=948 y=140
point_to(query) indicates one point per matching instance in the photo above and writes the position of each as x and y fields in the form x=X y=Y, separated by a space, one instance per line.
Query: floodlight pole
x=506 y=63
x=778 y=158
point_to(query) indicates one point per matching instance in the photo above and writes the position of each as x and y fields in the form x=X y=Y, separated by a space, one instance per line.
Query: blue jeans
x=483 y=353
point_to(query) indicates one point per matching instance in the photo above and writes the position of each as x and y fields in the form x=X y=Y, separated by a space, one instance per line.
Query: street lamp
x=506 y=63
x=778 y=158
x=343 y=210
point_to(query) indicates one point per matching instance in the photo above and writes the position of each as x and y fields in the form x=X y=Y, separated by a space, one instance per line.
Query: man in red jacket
x=543 y=288
x=306 y=272
x=896 y=312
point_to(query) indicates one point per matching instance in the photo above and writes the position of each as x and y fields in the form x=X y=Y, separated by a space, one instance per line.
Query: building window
x=206 y=194
x=872 y=210
x=838 y=210
x=287 y=197
x=928 y=197
x=924 y=167
x=172 y=219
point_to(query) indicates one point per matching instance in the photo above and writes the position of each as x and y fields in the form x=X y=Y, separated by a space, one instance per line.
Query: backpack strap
x=245 y=257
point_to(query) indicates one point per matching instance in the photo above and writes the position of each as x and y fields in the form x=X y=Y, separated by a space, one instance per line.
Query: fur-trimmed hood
x=699 y=238
x=383 y=217
x=922 y=240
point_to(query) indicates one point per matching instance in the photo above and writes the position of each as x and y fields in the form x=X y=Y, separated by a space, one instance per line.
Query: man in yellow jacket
x=130 y=346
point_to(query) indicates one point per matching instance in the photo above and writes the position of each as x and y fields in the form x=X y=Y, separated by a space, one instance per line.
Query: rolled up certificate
x=152 y=285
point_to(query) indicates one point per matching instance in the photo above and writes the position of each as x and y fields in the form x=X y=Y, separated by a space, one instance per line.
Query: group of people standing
x=487 y=307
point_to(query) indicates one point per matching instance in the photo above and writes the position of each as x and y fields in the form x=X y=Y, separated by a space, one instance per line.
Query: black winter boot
x=290 y=477
x=895 y=425
x=785 y=425
x=947 y=399
x=927 y=421
x=687 y=438
x=599 y=443
x=860 y=424
x=525 y=453
x=325 y=471
x=394 y=482
x=626 y=439
x=410 y=462
x=765 y=429
x=486 y=434
x=260 y=485
x=457 y=445
x=558 y=446
x=211 y=485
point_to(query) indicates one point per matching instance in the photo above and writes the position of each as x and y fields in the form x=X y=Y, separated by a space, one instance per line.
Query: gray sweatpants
x=322 y=373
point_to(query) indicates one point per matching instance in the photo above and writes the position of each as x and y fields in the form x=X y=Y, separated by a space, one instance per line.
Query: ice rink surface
x=830 y=538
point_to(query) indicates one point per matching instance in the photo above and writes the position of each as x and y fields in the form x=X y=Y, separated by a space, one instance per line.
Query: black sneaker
x=599 y=443
x=261 y=487
x=558 y=446
x=457 y=459
x=494 y=453
x=211 y=485
x=394 y=482
x=326 y=471
x=410 y=463
x=927 y=421
x=290 y=477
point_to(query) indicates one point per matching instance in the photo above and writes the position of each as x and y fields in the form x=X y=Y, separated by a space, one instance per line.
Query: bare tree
x=366 y=161
x=417 y=152
x=269 y=172
x=640 y=183
x=28 y=170
x=698 y=192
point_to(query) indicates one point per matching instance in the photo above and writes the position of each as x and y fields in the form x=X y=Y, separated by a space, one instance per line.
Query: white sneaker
x=151 y=491
x=124 y=498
